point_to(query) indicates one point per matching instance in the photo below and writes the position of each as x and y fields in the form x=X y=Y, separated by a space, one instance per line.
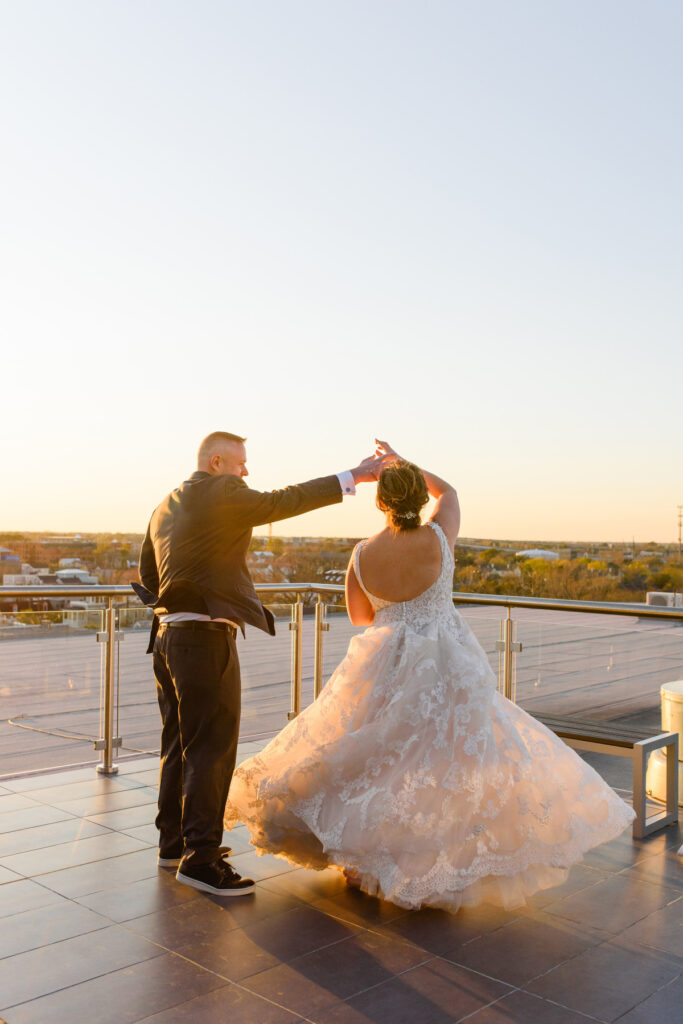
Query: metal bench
x=625 y=741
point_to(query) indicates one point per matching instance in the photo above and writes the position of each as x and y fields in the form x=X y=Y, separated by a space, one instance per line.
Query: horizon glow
x=455 y=229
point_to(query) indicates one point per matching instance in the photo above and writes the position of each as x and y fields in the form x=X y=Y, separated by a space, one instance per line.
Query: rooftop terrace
x=93 y=930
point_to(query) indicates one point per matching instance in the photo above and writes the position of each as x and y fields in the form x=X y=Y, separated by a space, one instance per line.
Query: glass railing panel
x=484 y=621
x=604 y=668
x=265 y=671
x=50 y=671
x=601 y=667
x=265 y=662
x=337 y=638
x=136 y=716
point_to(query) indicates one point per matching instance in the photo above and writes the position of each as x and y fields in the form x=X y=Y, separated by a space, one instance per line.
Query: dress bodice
x=434 y=603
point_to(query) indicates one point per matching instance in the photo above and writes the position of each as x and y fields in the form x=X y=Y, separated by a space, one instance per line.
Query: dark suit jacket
x=194 y=555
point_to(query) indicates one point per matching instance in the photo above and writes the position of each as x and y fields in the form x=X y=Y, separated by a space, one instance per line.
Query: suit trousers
x=199 y=691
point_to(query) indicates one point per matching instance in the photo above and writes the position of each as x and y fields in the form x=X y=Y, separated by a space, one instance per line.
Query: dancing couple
x=410 y=772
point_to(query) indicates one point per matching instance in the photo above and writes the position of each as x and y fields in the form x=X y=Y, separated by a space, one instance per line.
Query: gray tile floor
x=91 y=929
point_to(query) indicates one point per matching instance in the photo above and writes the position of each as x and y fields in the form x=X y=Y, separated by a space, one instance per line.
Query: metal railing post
x=297 y=628
x=508 y=648
x=320 y=627
x=107 y=766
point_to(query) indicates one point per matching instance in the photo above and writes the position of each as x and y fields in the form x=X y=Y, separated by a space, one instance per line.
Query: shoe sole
x=174 y=862
x=194 y=883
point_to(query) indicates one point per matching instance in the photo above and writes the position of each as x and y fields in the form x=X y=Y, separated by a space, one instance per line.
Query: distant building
x=549 y=556
x=10 y=565
x=75 y=541
x=63 y=577
x=76 y=578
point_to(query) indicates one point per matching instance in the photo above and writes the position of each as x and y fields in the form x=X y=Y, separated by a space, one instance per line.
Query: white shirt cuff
x=346 y=482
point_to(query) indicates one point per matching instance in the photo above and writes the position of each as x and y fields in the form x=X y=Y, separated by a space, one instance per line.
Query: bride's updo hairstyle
x=402 y=492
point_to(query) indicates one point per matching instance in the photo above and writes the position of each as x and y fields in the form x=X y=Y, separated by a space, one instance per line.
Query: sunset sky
x=452 y=225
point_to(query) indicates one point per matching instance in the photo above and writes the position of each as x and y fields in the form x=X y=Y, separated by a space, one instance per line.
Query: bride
x=411 y=771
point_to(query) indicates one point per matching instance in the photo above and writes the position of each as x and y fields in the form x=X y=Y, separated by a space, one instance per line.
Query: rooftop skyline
x=451 y=227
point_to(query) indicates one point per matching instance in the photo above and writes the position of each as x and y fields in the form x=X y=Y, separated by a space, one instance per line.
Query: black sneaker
x=217 y=877
x=173 y=859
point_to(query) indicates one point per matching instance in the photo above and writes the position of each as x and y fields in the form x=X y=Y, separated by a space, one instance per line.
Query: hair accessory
x=406 y=515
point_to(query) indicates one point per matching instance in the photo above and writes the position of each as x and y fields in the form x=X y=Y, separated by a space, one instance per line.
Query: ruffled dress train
x=411 y=769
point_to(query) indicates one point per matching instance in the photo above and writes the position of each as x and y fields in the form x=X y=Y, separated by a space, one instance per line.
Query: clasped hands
x=369 y=469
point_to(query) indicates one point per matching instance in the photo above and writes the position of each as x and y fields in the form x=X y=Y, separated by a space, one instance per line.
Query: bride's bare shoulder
x=377 y=539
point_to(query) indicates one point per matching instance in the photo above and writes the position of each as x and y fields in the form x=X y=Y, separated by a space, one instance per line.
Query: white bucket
x=672 y=711
x=655 y=780
x=672 y=721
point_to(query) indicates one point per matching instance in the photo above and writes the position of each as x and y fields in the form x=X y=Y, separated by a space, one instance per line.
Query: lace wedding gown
x=413 y=770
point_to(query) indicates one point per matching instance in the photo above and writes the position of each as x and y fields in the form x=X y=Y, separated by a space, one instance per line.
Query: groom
x=194 y=573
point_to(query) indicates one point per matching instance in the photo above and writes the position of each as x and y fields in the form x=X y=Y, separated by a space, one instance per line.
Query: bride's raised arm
x=447 y=511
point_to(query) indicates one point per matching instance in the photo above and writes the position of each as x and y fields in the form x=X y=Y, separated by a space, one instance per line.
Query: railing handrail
x=561 y=604
x=497 y=600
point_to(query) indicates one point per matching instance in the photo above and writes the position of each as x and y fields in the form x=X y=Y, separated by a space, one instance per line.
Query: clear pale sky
x=452 y=225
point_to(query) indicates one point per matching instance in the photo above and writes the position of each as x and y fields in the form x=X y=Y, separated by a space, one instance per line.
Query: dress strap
x=356 y=569
x=438 y=530
x=446 y=550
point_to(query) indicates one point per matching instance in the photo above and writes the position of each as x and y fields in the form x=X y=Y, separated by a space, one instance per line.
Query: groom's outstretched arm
x=259 y=507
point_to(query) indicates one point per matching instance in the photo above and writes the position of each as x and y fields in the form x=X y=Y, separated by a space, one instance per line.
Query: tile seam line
x=66 y=988
x=443 y=956
x=98 y=860
x=654 y=949
x=122 y=924
x=660 y=989
x=561 y=963
x=114 y=784
x=486 y=1005
x=437 y=956
x=67 y=867
x=541 y=999
x=45 y=824
x=614 y=935
x=361 y=992
x=374 y=930
x=98 y=796
x=92 y=931
x=108 y=923
x=572 y=1009
x=207 y=970
x=641 y=875
x=643 y=948
x=55 y=892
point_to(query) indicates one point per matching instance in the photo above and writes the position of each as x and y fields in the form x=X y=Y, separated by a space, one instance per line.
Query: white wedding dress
x=413 y=770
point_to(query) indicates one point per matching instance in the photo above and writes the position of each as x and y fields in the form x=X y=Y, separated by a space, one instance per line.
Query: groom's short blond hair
x=212 y=444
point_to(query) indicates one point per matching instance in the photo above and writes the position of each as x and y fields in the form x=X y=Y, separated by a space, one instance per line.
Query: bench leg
x=642 y=825
x=639 y=795
x=672 y=782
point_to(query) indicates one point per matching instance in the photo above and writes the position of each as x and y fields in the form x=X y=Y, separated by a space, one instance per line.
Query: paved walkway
x=93 y=930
